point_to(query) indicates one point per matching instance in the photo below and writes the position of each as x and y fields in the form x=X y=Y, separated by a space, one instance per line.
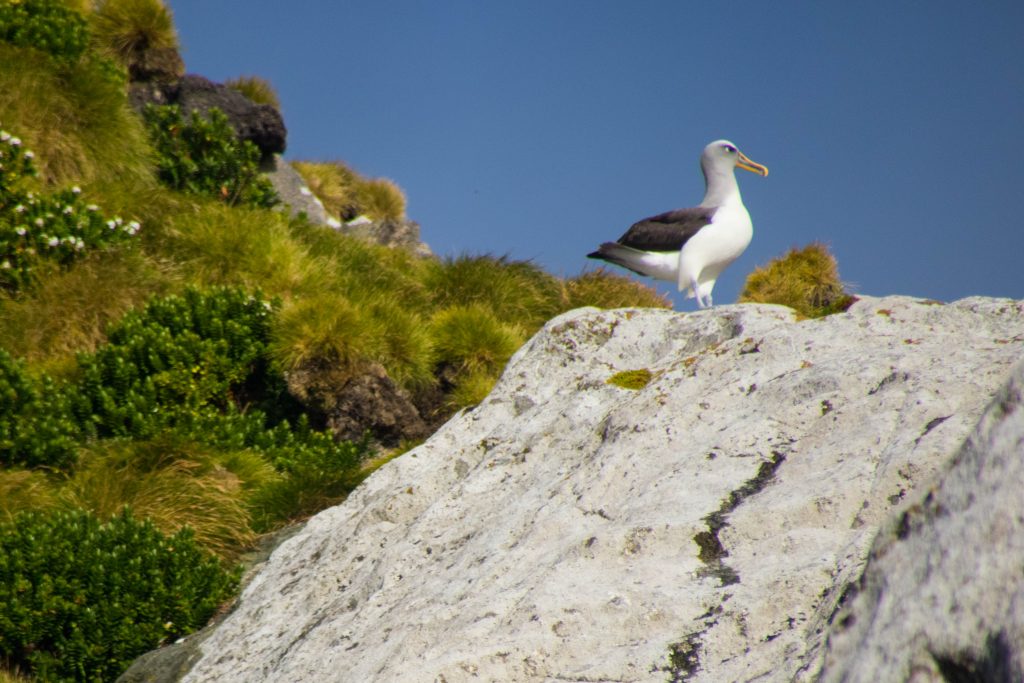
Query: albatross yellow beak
x=747 y=165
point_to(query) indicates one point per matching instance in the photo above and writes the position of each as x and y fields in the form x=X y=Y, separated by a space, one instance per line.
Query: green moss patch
x=631 y=379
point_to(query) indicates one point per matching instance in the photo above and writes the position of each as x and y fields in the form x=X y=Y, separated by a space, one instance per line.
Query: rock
x=704 y=527
x=351 y=403
x=391 y=233
x=293 y=191
x=942 y=598
x=261 y=124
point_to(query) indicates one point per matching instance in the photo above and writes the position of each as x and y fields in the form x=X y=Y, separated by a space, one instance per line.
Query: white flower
x=40 y=222
x=132 y=227
x=21 y=230
x=111 y=224
x=53 y=241
x=76 y=189
x=6 y=265
x=30 y=155
x=15 y=142
x=67 y=210
x=4 y=136
x=19 y=209
x=92 y=207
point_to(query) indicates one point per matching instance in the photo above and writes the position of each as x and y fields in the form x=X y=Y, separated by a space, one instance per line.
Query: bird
x=692 y=247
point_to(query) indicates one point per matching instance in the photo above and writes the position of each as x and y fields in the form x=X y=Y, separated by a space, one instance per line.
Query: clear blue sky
x=894 y=131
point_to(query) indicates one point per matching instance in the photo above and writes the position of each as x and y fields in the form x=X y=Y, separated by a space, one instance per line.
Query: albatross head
x=718 y=161
x=721 y=156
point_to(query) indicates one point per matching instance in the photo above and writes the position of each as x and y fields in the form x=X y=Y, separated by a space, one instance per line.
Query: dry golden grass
x=806 y=280
x=333 y=183
x=123 y=29
x=257 y=89
x=380 y=199
x=171 y=482
x=79 y=125
x=25 y=490
x=69 y=310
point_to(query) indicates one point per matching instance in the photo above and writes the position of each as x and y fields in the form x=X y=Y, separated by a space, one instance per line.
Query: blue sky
x=894 y=131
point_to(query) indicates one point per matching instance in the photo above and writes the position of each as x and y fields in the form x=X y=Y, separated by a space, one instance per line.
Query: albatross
x=691 y=247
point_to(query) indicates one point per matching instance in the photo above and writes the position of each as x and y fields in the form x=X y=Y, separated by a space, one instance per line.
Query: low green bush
x=46 y=25
x=36 y=426
x=57 y=227
x=80 y=599
x=807 y=280
x=204 y=156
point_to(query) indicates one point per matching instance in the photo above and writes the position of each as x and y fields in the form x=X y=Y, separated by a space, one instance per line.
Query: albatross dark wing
x=667 y=231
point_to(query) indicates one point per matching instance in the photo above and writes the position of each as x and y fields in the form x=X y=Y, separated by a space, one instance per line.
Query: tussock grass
x=14 y=677
x=346 y=194
x=124 y=29
x=171 y=482
x=257 y=89
x=380 y=199
x=604 y=289
x=515 y=291
x=471 y=388
x=471 y=338
x=75 y=119
x=324 y=327
x=333 y=183
x=219 y=245
x=806 y=280
x=25 y=490
x=69 y=311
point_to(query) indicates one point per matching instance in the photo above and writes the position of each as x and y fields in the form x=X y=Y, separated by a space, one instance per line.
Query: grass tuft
x=124 y=29
x=74 y=117
x=380 y=199
x=257 y=89
x=604 y=289
x=806 y=280
x=22 y=490
x=471 y=338
x=631 y=379
x=333 y=183
x=173 y=483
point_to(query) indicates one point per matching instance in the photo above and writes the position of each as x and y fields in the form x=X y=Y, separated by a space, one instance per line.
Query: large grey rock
x=705 y=527
x=943 y=595
x=396 y=233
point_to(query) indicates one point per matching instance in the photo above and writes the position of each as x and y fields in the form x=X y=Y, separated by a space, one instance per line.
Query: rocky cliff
x=651 y=496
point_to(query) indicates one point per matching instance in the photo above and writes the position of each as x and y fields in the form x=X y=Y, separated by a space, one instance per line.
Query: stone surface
x=261 y=124
x=943 y=595
x=704 y=527
x=163 y=64
x=390 y=233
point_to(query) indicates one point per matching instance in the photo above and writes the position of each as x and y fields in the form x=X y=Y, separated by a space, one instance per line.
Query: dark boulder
x=261 y=124
x=349 y=403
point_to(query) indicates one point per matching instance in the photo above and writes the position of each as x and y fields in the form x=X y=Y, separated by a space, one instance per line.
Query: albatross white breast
x=691 y=247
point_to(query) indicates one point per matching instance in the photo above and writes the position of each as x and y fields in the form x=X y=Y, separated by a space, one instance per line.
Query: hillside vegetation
x=154 y=302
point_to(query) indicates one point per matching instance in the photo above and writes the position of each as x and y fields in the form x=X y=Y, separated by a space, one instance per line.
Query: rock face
x=393 y=233
x=291 y=188
x=706 y=526
x=943 y=595
x=261 y=124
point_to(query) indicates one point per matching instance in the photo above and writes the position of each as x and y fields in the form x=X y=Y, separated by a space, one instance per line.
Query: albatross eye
x=730 y=149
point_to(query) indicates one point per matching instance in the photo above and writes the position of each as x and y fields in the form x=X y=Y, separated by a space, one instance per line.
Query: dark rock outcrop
x=261 y=124
x=351 y=403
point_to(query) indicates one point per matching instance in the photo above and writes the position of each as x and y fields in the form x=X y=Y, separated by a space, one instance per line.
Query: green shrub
x=57 y=227
x=205 y=157
x=36 y=425
x=46 y=25
x=180 y=357
x=80 y=599
x=257 y=89
x=806 y=280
